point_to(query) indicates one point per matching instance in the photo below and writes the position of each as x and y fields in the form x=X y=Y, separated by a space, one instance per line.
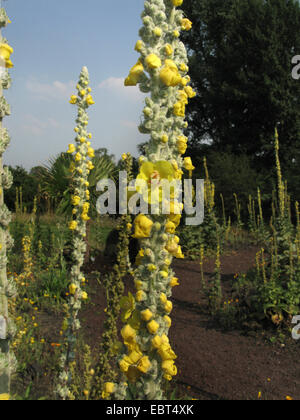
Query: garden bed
x=213 y=364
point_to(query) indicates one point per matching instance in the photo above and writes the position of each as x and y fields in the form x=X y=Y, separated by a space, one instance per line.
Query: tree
x=29 y=185
x=240 y=64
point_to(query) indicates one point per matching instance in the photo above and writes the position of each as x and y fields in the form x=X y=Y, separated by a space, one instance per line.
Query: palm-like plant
x=56 y=180
x=104 y=168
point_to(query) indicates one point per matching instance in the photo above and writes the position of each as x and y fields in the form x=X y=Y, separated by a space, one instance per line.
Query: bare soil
x=213 y=364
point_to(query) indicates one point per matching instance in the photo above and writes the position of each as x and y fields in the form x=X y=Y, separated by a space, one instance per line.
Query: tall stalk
x=7 y=287
x=80 y=168
x=147 y=359
x=113 y=282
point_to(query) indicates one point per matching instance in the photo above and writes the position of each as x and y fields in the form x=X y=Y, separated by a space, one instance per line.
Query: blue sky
x=52 y=40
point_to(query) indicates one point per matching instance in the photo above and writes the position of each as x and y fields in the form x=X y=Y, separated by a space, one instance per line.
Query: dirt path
x=213 y=364
x=219 y=365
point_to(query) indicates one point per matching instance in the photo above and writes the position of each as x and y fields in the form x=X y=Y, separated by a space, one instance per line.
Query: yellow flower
x=128 y=333
x=156 y=342
x=5 y=52
x=176 y=34
x=167 y=262
x=164 y=274
x=185 y=80
x=170 y=227
x=181 y=144
x=175 y=213
x=177 y=3
x=135 y=74
x=78 y=157
x=91 y=152
x=144 y=364
x=127 y=305
x=188 y=165
x=186 y=25
x=4 y=397
x=89 y=100
x=174 y=282
x=190 y=92
x=165 y=138
x=73 y=225
x=140 y=296
x=90 y=166
x=143 y=226
x=149 y=182
x=179 y=254
x=146 y=315
x=124 y=366
x=84 y=296
x=168 y=321
x=153 y=61
x=183 y=67
x=138 y=284
x=133 y=357
x=72 y=289
x=73 y=100
x=124 y=156
x=139 y=45
x=168 y=307
x=169 y=74
x=179 y=109
x=153 y=326
x=172 y=247
x=108 y=389
x=86 y=207
x=71 y=149
x=157 y=31
x=166 y=353
x=163 y=298
x=169 y=367
x=169 y=49
x=85 y=217
x=75 y=200
x=183 y=97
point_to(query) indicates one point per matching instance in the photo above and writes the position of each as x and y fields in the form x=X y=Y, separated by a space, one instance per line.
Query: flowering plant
x=147 y=358
x=80 y=168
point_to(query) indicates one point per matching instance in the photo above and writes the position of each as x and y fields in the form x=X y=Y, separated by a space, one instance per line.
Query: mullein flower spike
x=147 y=358
x=80 y=169
x=7 y=286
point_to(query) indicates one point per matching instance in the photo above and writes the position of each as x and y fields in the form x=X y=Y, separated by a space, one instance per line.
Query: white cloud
x=112 y=83
x=35 y=126
x=50 y=91
x=116 y=85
